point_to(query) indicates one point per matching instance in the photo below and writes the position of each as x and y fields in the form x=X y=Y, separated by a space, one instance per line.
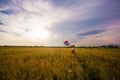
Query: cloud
x=8 y=12
x=1 y=23
x=30 y=21
x=26 y=21
x=3 y=2
x=2 y=31
x=110 y=35
x=81 y=12
x=94 y=32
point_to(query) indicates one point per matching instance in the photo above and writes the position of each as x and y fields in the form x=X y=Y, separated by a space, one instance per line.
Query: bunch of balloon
x=66 y=42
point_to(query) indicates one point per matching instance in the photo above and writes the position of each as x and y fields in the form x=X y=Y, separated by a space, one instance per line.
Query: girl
x=73 y=49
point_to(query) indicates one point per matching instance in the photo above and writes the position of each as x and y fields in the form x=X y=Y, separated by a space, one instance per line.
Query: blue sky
x=49 y=22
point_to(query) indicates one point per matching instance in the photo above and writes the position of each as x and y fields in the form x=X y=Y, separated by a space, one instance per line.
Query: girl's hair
x=73 y=46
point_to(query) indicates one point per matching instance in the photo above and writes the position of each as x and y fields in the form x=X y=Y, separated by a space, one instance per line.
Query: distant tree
x=112 y=46
x=104 y=46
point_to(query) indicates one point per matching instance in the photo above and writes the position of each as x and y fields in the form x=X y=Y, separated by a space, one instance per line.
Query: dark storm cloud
x=2 y=31
x=1 y=23
x=4 y=2
x=91 y=33
x=7 y=12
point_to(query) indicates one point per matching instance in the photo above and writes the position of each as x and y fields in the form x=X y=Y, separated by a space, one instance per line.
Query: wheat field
x=35 y=63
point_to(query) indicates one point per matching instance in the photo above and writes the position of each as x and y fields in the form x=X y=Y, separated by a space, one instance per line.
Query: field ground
x=22 y=63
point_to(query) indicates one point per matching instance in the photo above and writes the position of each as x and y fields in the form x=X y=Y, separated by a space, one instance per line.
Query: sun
x=38 y=33
x=38 y=28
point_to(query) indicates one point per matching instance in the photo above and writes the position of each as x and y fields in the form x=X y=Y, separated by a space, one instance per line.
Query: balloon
x=64 y=39
x=66 y=42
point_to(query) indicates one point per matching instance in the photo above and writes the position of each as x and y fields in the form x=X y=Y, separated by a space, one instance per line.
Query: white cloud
x=31 y=20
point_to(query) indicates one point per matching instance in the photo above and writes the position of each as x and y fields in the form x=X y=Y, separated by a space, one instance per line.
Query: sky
x=50 y=22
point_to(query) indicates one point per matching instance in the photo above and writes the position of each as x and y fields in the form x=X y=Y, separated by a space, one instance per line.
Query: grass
x=22 y=63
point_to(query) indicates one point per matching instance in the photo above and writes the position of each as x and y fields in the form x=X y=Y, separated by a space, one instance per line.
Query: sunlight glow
x=37 y=28
x=38 y=33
